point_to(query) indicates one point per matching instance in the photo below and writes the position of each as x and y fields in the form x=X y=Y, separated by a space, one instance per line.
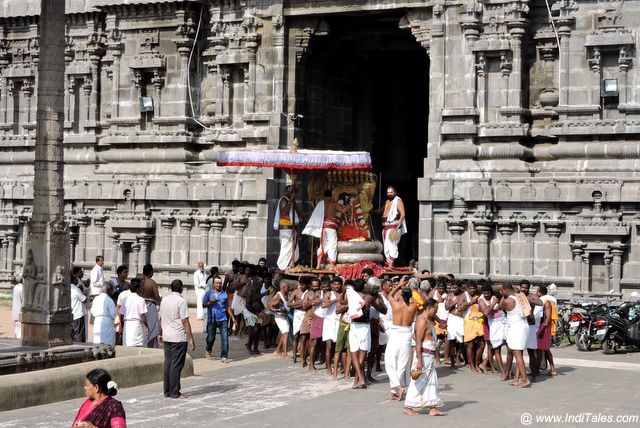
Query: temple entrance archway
x=364 y=85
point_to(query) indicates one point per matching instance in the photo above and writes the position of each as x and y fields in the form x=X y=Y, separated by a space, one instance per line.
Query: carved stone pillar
x=143 y=242
x=158 y=83
x=215 y=249
x=456 y=228
x=183 y=242
x=577 y=249
x=586 y=283
x=251 y=45
x=117 y=252
x=4 y=253
x=184 y=49
x=99 y=222
x=506 y=230
x=564 y=24
x=163 y=249
x=483 y=229
x=239 y=225
x=134 y=259
x=116 y=51
x=87 y=87
x=624 y=63
x=529 y=230
x=71 y=89
x=517 y=29
x=594 y=63
x=11 y=250
x=203 y=246
x=83 y=222
x=73 y=241
x=607 y=270
x=553 y=229
x=27 y=92
x=617 y=251
x=93 y=95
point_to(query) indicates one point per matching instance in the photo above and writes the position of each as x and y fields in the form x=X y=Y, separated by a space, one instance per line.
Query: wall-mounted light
x=146 y=104
x=609 y=88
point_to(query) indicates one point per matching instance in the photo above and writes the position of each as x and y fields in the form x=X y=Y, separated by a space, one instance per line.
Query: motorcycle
x=621 y=328
x=585 y=324
x=563 y=327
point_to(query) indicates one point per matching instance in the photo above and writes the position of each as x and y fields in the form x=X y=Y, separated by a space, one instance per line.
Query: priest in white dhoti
x=324 y=224
x=393 y=225
x=285 y=222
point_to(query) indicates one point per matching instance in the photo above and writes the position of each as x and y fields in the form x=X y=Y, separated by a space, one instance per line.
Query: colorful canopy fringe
x=300 y=160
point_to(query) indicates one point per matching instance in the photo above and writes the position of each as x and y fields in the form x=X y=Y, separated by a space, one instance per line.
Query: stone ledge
x=131 y=367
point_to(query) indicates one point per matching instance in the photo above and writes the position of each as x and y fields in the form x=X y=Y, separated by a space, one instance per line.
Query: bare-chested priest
x=151 y=295
x=393 y=225
x=329 y=239
x=397 y=358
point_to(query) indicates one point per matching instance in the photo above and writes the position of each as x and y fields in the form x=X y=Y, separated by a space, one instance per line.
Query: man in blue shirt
x=218 y=310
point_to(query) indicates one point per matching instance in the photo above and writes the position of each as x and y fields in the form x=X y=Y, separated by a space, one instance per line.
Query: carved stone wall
x=530 y=168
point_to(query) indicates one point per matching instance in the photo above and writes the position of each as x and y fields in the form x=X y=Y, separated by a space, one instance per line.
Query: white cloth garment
x=104 y=312
x=397 y=357
x=314 y=225
x=532 y=338
x=423 y=392
x=288 y=252
x=78 y=299
x=393 y=213
x=360 y=336
x=518 y=328
x=238 y=305
x=455 y=328
x=134 y=334
x=386 y=320
x=355 y=302
x=200 y=286
x=442 y=312
x=16 y=309
x=298 y=317
x=132 y=308
x=97 y=278
x=329 y=244
x=292 y=215
x=250 y=319
x=331 y=321
x=282 y=323
x=498 y=325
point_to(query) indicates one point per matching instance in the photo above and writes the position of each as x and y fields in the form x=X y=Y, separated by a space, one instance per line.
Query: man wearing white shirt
x=97 y=277
x=79 y=311
x=133 y=309
x=200 y=285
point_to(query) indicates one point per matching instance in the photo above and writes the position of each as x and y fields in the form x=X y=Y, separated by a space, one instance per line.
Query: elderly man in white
x=200 y=285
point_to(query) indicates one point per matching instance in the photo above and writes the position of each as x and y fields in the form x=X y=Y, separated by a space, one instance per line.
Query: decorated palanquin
x=355 y=190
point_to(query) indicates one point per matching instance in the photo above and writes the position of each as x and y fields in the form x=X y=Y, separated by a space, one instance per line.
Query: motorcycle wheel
x=583 y=342
x=609 y=345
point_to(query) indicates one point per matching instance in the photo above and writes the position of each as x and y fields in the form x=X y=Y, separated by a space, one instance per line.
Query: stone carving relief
x=528 y=192
x=61 y=297
x=503 y=191
x=552 y=192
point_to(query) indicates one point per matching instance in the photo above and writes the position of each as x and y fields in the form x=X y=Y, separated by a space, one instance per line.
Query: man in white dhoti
x=133 y=310
x=279 y=306
x=296 y=303
x=518 y=331
x=397 y=358
x=393 y=225
x=456 y=304
x=498 y=327
x=285 y=222
x=104 y=316
x=386 y=321
x=16 y=307
x=200 y=286
x=331 y=320
x=423 y=390
x=359 y=305
x=324 y=224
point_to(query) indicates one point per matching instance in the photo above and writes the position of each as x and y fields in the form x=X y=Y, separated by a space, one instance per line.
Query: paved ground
x=266 y=391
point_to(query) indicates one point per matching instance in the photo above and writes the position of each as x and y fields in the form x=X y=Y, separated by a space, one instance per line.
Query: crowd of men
x=417 y=322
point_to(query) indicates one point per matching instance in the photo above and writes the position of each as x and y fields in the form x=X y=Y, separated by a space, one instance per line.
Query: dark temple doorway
x=364 y=86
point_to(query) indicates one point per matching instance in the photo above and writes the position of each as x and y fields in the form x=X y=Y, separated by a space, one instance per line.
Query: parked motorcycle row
x=613 y=324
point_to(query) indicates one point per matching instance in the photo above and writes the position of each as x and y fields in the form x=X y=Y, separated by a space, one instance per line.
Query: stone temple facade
x=510 y=128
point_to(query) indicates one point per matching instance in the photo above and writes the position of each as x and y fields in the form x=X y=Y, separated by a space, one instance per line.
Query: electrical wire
x=193 y=48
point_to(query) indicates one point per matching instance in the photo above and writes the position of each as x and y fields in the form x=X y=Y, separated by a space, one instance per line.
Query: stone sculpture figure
x=29 y=274
x=40 y=289
x=61 y=295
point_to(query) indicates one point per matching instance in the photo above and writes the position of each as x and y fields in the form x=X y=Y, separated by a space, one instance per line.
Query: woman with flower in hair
x=100 y=409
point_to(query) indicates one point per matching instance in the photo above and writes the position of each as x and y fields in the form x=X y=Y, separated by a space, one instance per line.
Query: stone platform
x=129 y=367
